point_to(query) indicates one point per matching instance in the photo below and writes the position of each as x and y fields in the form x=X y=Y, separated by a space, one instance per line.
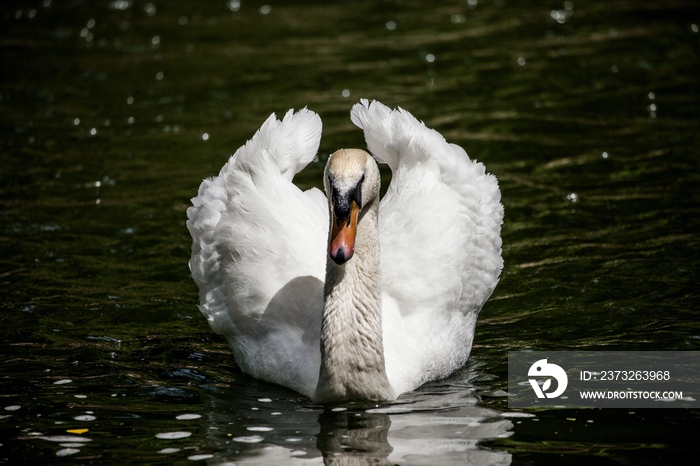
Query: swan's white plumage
x=258 y=253
x=260 y=245
x=439 y=224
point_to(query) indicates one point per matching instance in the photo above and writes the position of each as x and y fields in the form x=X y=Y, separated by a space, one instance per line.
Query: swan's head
x=352 y=183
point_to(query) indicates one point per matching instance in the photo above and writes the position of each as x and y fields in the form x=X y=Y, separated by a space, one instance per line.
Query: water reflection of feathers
x=442 y=426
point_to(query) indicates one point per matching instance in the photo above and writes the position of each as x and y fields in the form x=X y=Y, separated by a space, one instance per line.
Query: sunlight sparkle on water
x=66 y=439
x=173 y=435
x=390 y=410
x=517 y=414
x=167 y=451
x=248 y=439
x=120 y=5
x=560 y=16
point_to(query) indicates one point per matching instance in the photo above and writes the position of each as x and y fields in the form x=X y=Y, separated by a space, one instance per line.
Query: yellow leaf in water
x=77 y=431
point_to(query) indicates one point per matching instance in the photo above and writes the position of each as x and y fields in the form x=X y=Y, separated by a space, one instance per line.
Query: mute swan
x=341 y=297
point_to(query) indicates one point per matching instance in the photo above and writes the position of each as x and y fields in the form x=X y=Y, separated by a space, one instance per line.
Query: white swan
x=381 y=302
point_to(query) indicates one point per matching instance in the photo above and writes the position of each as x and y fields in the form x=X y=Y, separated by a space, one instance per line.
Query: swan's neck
x=352 y=351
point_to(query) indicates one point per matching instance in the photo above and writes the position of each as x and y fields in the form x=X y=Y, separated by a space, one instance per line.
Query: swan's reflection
x=348 y=439
x=265 y=424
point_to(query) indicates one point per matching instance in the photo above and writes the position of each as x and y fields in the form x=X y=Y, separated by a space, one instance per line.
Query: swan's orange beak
x=342 y=243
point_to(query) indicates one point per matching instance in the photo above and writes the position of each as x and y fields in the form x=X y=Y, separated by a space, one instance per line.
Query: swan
x=341 y=296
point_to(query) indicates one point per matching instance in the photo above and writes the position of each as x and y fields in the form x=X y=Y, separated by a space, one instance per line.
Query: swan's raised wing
x=440 y=224
x=440 y=220
x=258 y=252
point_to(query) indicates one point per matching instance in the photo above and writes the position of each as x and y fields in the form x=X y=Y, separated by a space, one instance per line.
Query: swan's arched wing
x=258 y=252
x=440 y=220
x=440 y=223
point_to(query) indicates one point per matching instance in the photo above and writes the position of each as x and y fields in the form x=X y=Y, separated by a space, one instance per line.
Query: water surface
x=112 y=112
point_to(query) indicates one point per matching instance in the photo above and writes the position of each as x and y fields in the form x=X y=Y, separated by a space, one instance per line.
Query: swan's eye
x=362 y=180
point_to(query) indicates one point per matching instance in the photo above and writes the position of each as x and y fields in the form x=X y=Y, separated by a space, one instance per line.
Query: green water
x=588 y=112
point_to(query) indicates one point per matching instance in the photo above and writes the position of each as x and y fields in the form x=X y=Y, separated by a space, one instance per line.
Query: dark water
x=112 y=112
